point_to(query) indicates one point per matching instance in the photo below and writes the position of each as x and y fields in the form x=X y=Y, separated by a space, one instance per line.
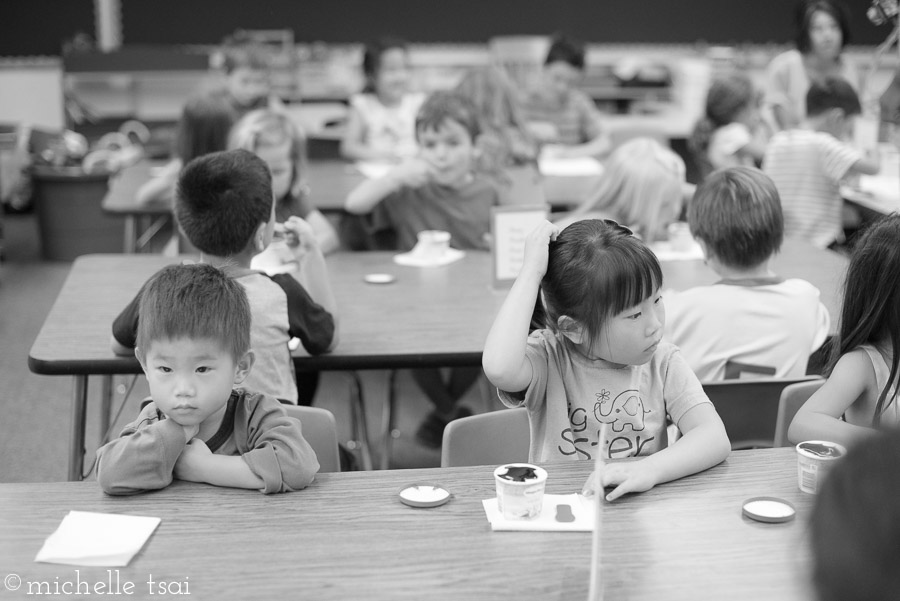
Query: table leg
x=79 y=411
x=359 y=423
x=130 y=233
x=387 y=421
x=106 y=393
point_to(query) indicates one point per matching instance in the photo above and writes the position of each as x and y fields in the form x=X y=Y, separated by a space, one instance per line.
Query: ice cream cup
x=520 y=490
x=814 y=459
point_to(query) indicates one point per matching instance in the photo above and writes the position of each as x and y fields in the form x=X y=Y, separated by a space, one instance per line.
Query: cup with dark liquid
x=520 y=490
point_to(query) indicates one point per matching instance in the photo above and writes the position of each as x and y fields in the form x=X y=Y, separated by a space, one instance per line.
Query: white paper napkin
x=582 y=509
x=419 y=259
x=665 y=252
x=97 y=539
x=570 y=167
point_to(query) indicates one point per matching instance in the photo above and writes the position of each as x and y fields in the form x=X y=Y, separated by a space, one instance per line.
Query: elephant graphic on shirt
x=627 y=409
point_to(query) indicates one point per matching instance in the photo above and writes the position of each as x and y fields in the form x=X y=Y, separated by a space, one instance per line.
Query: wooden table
x=426 y=318
x=347 y=536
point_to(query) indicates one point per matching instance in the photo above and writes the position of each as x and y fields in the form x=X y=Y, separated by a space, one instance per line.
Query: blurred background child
x=808 y=163
x=381 y=122
x=278 y=141
x=729 y=134
x=643 y=186
x=247 y=85
x=861 y=391
x=751 y=320
x=559 y=114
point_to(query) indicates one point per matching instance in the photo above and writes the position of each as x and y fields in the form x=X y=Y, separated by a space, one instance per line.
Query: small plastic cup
x=433 y=242
x=520 y=490
x=814 y=459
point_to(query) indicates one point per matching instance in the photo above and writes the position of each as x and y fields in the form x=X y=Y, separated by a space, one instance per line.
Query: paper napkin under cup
x=582 y=510
x=97 y=539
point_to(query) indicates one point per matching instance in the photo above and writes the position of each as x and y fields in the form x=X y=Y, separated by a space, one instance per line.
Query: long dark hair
x=596 y=269
x=871 y=308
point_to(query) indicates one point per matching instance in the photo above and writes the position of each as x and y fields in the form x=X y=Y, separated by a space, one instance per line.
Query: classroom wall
x=37 y=26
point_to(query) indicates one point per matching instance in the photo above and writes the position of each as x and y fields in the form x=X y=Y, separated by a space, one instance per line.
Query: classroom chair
x=749 y=408
x=320 y=431
x=487 y=439
x=792 y=398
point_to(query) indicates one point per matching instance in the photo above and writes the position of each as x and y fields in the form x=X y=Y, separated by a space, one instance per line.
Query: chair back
x=487 y=439
x=320 y=431
x=792 y=398
x=749 y=408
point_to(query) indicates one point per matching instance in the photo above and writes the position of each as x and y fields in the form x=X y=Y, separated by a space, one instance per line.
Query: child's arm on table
x=198 y=464
x=144 y=456
x=819 y=418
x=704 y=444
x=504 y=360
x=160 y=188
x=412 y=173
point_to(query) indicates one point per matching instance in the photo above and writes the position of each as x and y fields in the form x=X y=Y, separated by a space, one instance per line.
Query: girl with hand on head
x=381 y=122
x=596 y=379
x=728 y=135
x=860 y=395
x=277 y=140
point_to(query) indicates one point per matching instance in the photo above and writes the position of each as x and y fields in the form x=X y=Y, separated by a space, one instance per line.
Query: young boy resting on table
x=439 y=189
x=224 y=206
x=193 y=342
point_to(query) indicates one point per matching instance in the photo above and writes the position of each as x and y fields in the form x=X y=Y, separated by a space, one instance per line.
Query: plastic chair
x=487 y=439
x=749 y=408
x=792 y=398
x=320 y=431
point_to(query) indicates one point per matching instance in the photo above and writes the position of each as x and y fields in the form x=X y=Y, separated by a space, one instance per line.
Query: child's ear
x=243 y=367
x=571 y=329
x=259 y=238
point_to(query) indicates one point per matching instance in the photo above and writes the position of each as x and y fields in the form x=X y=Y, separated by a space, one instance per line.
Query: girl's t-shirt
x=389 y=129
x=579 y=407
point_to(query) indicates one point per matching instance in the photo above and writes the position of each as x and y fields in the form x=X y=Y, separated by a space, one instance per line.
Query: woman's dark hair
x=596 y=269
x=371 y=64
x=803 y=14
x=565 y=50
x=871 y=309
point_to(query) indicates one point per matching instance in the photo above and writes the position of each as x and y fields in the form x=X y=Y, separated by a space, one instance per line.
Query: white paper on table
x=420 y=259
x=665 y=252
x=373 y=170
x=565 y=167
x=583 y=510
x=85 y=538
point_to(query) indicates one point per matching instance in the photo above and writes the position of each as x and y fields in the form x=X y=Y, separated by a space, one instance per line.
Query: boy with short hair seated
x=752 y=320
x=224 y=206
x=439 y=189
x=193 y=342
x=807 y=164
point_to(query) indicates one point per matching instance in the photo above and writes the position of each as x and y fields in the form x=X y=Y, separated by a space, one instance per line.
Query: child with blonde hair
x=727 y=134
x=643 y=186
x=278 y=141
x=597 y=379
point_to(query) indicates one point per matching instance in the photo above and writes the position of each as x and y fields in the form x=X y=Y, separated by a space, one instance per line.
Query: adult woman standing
x=822 y=33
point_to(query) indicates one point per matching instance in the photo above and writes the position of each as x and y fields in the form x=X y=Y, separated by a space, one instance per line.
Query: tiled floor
x=35 y=410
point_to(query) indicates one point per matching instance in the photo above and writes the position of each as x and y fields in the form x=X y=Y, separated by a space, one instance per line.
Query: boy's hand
x=413 y=173
x=190 y=464
x=537 y=246
x=190 y=432
x=298 y=235
x=626 y=476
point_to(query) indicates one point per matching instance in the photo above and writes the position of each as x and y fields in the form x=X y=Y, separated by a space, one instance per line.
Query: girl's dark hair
x=596 y=269
x=565 y=50
x=728 y=95
x=871 y=308
x=803 y=14
x=203 y=127
x=371 y=64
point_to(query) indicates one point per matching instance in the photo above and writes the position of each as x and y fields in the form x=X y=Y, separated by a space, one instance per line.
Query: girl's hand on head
x=190 y=463
x=537 y=246
x=625 y=476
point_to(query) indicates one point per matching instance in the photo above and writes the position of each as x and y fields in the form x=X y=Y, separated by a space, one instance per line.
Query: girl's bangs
x=634 y=278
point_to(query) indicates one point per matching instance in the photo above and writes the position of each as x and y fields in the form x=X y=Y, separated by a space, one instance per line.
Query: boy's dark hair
x=736 y=212
x=221 y=200
x=442 y=106
x=855 y=524
x=372 y=57
x=565 y=50
x=194 y=301
x=832 y=93
x=596 y=269
x=804 y=11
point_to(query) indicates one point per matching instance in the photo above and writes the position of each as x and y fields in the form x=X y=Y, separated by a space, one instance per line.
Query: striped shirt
x=807 y=167
x=576 y=118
